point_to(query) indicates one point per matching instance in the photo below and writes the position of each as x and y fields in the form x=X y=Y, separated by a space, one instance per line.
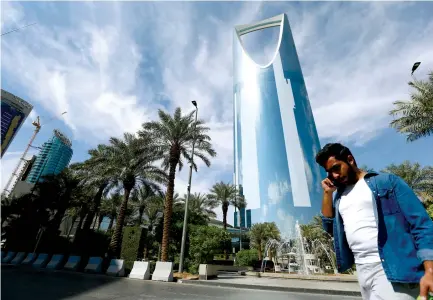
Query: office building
x=14 y=112
x=275 y=137
x=54 y=156
x=244 y=215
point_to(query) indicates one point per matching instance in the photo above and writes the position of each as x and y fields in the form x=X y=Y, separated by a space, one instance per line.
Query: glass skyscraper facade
x=54 y=156
x=275 y=137
x=14 y=112
x=243 y=215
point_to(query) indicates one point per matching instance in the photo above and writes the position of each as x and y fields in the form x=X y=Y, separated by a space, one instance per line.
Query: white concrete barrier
x=116 y=268
x=72 y=263
x=55 y=262
x=30 y=258
x=41 y=261
x=8 y=258
x=19 y=258
x=94 y=265
x=140 y=270
x=163 y=271
x=207 y=271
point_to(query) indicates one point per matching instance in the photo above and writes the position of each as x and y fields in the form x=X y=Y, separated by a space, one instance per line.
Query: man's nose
x=336 y=176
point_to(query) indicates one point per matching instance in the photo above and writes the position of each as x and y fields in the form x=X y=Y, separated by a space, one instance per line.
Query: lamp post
x=185 y=219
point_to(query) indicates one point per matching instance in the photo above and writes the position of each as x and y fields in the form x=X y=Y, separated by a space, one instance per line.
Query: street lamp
x=185 y=219
x=415 y=66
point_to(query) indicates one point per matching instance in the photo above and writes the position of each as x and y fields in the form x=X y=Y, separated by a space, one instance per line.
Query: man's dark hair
x=336 y=150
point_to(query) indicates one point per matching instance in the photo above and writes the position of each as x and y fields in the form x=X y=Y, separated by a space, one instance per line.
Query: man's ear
x=351 y=160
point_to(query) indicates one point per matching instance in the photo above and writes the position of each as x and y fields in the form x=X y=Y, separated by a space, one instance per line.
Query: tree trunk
x=82 y=216
x=117 y=235
x=140 y=215
x=259 y=250
x=95 y=207
x=168 y=209
x=74 y=218
x=94 y=222
x=225 y=207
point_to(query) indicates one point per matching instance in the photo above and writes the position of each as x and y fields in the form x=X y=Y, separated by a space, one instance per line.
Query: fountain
x=295 y=256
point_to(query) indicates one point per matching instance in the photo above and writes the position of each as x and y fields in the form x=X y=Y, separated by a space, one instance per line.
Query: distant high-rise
x=54 y=156
x=243 y=215
x=14 y=112
x=275 y=137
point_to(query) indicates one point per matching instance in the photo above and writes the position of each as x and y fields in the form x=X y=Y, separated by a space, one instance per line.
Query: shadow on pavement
x=18 y=283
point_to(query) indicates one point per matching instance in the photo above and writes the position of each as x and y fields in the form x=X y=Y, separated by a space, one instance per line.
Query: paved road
x=19 y=284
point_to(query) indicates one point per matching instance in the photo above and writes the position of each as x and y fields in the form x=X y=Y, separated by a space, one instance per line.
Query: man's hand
x=328 y=186
x=426 y=284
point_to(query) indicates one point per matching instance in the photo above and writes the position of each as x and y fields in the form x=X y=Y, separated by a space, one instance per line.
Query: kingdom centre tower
x=275 y=137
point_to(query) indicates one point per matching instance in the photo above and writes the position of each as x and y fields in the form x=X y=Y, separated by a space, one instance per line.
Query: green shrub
x=132 y=245
x=205 y=242
x=247 y=258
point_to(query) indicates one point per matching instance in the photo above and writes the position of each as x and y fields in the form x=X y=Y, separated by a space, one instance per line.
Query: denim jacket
x=405 y=231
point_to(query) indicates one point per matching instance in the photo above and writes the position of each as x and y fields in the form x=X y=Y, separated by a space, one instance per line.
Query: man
x=379 y=224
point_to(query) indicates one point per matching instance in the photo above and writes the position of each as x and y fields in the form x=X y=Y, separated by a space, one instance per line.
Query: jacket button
x=383 y=260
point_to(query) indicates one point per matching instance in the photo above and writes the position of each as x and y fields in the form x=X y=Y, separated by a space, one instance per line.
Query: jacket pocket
x=388 y=202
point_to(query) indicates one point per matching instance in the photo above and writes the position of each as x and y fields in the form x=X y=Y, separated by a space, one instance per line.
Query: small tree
x=260 y=233
x=205 y=242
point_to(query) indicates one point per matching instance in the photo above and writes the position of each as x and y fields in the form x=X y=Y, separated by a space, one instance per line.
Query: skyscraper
x=54 y=156
x=14 y=112
x=275 y=137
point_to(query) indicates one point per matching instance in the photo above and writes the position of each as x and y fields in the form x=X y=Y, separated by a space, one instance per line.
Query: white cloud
x=277 y=191
x=86 y=70
x=353 y=82
x=11 y=16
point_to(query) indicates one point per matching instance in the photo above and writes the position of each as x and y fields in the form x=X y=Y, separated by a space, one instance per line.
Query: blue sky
x=112 y=65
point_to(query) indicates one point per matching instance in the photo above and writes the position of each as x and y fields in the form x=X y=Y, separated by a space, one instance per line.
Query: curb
x=314 y=278
x=272 y=288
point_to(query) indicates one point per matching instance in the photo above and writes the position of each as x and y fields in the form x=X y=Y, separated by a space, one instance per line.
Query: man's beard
x=351 y=176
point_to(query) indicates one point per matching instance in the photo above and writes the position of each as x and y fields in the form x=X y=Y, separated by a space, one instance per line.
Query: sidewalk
x=280 y=284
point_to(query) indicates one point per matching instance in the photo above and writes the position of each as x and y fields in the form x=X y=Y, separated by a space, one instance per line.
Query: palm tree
x=96 y=178
x=415 y=117
x=130 y=164
x=240 y=203
x=110 y=208
x=141 y=199
x=260 y=233
x=174 y=136
x=153 y=212
x=223 y=194
x=419 y=179
x=200 y=204
x=59 y=189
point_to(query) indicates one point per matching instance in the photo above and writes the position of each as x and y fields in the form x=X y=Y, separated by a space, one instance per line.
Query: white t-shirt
x=356 y=209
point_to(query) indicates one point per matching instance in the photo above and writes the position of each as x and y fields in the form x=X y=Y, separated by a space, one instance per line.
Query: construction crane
x=15 y=174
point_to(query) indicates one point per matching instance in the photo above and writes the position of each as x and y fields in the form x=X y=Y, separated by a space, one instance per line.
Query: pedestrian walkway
x=280 y=284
